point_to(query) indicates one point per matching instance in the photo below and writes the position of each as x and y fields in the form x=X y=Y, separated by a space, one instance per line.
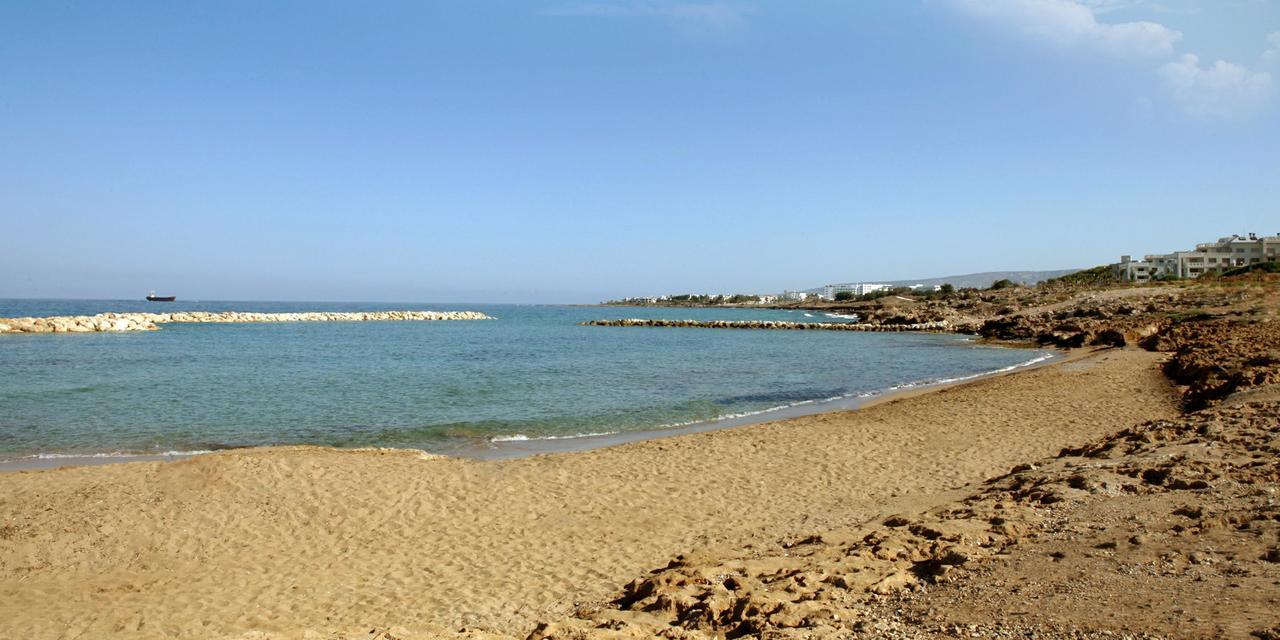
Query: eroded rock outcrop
x=1216 y=356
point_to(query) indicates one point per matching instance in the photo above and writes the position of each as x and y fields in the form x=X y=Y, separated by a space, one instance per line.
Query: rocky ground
x=1170 y=528
x=1221 y=333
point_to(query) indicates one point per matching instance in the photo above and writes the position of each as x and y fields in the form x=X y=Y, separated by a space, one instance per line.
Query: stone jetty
x=941 y=325
x=148 y=321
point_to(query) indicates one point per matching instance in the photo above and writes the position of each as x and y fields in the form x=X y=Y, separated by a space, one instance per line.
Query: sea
x=532 y=380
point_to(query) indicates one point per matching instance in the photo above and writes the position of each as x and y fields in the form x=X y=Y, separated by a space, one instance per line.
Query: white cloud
x=1069 y=23
x=1223 y=90
x=717 y=16
x=1272 y=54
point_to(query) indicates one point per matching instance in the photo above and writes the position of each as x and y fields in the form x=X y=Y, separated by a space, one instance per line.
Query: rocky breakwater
x=772 y=324
x=117 y=322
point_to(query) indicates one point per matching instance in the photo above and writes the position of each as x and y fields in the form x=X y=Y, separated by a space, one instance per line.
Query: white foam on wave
x=117 y=454
x=843 y=316
x=107 y=454
x=808 y=315
x=861 y=395
x=733 y=416
x=520 y=437
x=1035 y=360
x=1012 y=367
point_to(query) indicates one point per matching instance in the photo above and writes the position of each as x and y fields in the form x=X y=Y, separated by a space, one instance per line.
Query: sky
x=543 y=151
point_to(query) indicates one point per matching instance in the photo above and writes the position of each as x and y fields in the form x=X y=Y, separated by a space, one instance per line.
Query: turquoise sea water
x=442 y=386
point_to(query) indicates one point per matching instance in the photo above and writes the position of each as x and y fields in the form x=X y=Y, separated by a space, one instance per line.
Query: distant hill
x=977 y=280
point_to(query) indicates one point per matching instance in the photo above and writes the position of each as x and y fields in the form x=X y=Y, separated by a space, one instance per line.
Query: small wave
x=1035 y=360
x=110 y=454
x=843 y=316
x=731 y=416
x=808 y=315
x=570 y=437
x=793 y=395
x=1012 y=367
x=859 y=395
x=748 y=414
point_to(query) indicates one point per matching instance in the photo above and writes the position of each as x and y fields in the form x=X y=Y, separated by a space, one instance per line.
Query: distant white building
x=1209 y=257
x=795 y=296
x=859 y=289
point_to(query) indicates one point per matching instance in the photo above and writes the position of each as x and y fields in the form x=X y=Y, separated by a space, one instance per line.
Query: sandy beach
x=292 y=542
x=640 y=320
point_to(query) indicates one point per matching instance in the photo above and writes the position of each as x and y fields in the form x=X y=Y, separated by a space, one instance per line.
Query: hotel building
x=1210 y=257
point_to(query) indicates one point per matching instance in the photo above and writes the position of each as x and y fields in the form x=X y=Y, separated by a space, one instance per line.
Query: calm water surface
x=531 y=374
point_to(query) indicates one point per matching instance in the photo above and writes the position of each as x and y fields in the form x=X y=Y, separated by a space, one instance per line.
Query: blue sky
x=573 y=151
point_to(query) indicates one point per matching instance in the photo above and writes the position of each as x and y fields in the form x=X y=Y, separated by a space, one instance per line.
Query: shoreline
x=515 y=447
x=295 y=540
x=519 y=448
x=975 y=505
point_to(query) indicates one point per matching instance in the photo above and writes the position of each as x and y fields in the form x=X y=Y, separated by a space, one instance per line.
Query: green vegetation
x=1003 y=284
x=1101 y=274
x=947 y=289
x=844 y=296
x=1265 y=267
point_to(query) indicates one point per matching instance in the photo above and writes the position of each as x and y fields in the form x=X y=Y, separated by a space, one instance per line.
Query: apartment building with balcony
x=1209 y=257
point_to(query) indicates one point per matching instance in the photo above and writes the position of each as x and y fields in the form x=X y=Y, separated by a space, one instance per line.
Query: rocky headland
x=115 y=322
